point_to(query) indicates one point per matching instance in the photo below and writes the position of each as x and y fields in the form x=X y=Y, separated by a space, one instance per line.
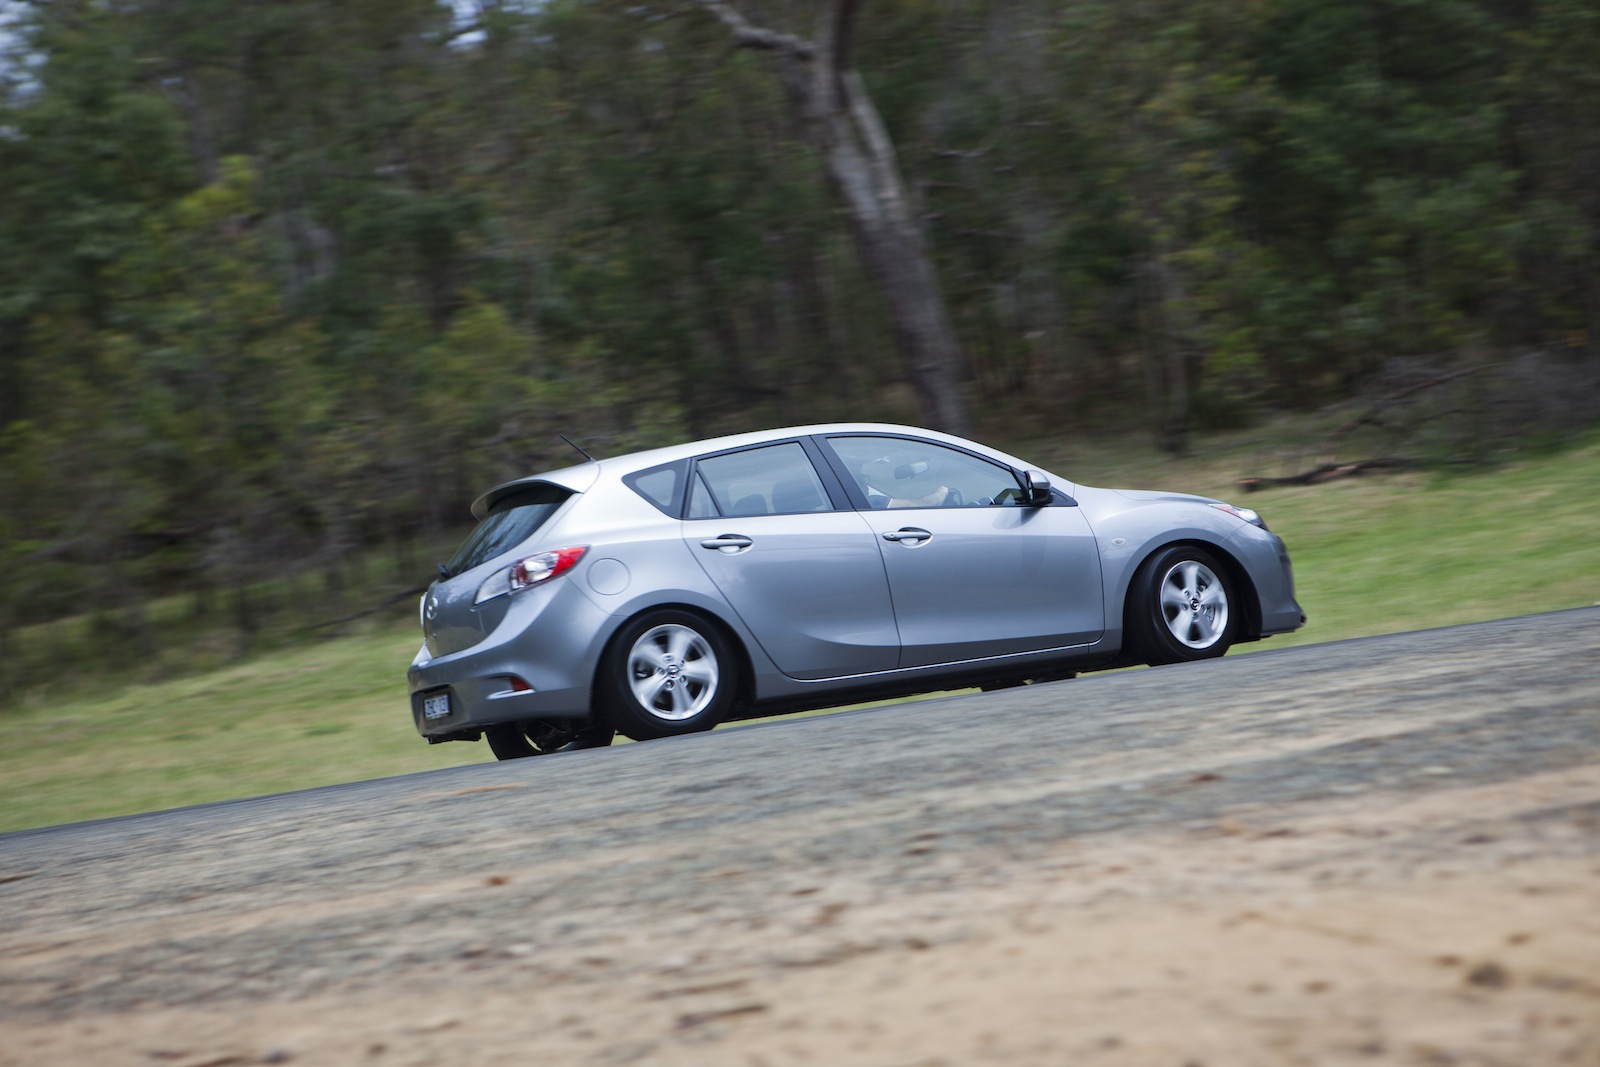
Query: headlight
x=534 y=570
x=1242 y=513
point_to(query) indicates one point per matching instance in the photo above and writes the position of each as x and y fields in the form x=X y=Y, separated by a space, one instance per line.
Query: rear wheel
x=667 y=672
x=1181 y=607
x=540 y=737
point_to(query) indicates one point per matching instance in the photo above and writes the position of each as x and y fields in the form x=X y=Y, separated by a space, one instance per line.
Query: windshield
x=512 y=520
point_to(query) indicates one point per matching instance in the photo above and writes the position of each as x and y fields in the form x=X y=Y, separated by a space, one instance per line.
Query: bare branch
x=1371 y=418
x=750 y=36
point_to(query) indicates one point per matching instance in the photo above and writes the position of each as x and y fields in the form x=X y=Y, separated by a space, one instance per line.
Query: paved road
x=365 y=885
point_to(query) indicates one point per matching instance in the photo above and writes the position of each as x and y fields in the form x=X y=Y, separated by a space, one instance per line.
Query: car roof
x=580 y=477
x=672 y=453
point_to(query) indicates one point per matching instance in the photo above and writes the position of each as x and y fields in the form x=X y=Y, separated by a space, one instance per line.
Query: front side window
x=771 y=480
x=899 y=472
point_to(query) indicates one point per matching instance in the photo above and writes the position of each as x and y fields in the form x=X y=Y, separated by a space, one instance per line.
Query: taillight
x=533 y=570
x=544 y=566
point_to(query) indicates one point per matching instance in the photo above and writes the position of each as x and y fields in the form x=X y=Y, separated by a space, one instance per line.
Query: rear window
x=511 y=520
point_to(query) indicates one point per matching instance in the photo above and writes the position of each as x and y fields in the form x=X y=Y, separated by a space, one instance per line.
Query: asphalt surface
x=364 y=885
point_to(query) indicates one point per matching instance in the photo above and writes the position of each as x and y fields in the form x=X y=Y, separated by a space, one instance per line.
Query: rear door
x=794 y=559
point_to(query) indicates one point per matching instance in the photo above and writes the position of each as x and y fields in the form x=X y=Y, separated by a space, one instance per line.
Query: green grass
x=1372 y=555
x=291 y=719
x=1389 y=553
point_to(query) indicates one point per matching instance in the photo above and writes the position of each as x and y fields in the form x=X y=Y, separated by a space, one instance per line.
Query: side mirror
x=1038 y=488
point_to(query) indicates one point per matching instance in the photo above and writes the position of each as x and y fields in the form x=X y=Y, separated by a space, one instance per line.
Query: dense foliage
x=285 y=280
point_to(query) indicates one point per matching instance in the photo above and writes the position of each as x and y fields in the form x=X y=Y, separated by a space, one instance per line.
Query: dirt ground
x=1434 y=906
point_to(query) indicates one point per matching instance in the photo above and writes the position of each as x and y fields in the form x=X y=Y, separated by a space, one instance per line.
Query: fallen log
x=389 y=602
x=1328 y=472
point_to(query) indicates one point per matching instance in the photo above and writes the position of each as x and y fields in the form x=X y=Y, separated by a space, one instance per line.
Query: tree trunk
x=842 y=122
x=1167 y=352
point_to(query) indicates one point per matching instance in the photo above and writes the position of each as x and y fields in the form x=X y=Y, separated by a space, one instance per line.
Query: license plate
x=436 y=706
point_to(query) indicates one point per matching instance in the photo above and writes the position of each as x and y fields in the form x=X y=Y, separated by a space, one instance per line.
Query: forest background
x=284 y=285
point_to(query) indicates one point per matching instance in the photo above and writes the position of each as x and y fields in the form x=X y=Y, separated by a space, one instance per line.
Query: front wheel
x=540 y=737
x=666 y=673
x=1181 y=607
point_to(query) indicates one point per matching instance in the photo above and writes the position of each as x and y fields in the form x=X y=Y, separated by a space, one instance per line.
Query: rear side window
x=771 y=480
x=511 y=520
x=662 y=486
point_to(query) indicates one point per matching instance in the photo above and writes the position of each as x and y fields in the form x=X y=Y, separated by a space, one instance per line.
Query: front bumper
x=1266 y=558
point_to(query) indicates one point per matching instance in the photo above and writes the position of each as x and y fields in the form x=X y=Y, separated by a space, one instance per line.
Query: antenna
x=579 y=447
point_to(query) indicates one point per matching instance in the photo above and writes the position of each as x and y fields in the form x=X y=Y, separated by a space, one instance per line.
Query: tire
x=541 y=737
x=667 y=673
x=1182 y=607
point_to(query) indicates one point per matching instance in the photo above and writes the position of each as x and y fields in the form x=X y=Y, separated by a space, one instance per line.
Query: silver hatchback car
x=667 y=591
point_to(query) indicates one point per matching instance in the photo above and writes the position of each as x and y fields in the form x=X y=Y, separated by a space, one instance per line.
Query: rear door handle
x=909 y=533
x=729 y=543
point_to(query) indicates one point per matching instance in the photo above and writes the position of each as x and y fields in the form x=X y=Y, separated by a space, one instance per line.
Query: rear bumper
x=549 y=644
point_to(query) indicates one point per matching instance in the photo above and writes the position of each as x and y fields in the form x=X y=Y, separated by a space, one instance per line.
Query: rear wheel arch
x=745 y=672
x=740 y=671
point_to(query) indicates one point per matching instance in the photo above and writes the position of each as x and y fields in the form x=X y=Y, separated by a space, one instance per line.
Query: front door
x=973 y=572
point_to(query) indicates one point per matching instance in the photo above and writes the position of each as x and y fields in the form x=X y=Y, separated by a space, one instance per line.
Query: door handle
x=909 y=533
x=728 y=542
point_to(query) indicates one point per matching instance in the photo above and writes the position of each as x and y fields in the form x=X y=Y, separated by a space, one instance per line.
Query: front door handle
x=909 y=533
x=729 y=543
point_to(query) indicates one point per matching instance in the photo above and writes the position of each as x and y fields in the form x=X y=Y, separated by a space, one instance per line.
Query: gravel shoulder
x=1384 y=851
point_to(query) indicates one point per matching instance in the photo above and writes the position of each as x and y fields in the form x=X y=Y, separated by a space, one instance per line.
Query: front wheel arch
x=1141 y=645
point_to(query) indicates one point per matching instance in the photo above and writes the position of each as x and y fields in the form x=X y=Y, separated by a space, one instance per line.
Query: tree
x=840 y=120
